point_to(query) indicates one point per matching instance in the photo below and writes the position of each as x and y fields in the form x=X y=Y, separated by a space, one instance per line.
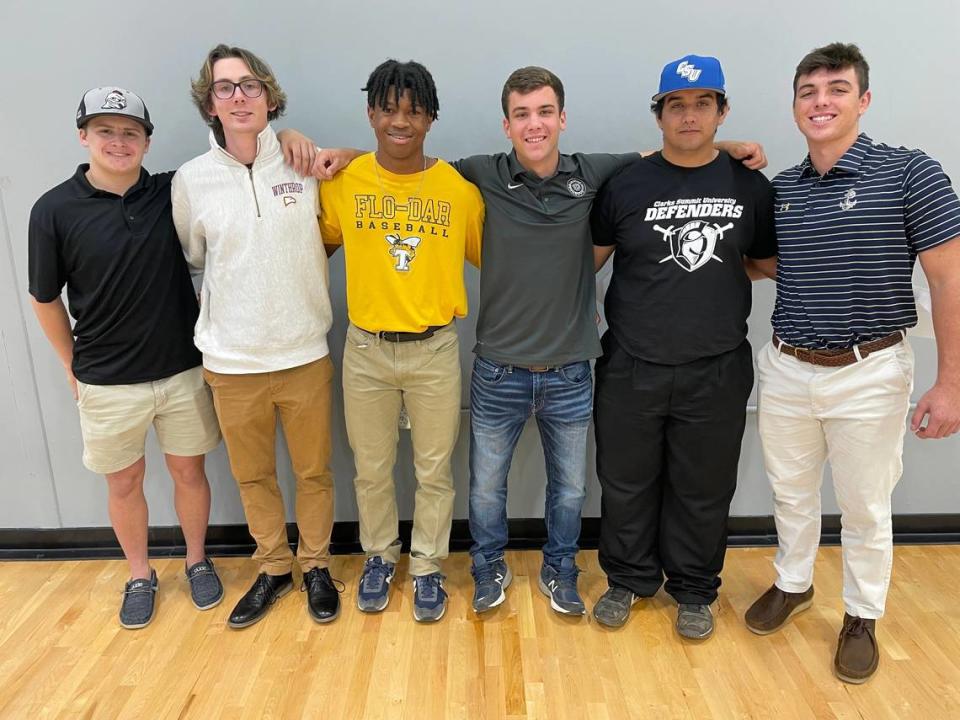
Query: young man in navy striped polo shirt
x=836 y=380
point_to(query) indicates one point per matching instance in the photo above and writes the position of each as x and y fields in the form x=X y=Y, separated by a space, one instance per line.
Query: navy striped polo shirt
x=848 y=241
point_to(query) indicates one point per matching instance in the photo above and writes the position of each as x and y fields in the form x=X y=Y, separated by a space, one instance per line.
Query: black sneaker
x=613 y=607
x=139 y=602
x=206 y=590
x=323 y=594
x=264 y=592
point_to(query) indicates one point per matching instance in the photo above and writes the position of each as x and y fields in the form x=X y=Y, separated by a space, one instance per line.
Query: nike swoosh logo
x=512 y=186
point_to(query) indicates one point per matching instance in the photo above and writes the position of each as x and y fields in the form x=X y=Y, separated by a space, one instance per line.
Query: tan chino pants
x=247 y=407
x=425 y=374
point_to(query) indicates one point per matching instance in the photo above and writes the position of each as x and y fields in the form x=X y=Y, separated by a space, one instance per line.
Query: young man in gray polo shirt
x=536 y=332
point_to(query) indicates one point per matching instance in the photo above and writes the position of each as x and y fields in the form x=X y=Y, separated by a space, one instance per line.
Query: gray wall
x=608 y=54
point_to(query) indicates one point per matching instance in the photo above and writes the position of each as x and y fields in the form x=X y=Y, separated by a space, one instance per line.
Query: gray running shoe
x=613 y=607
x=373 y=591
x=694 y=622
x=490 y=579
x=429 y=597
x=560 y=585
x=139 y=602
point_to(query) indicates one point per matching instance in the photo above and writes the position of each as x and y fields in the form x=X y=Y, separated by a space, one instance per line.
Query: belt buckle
x=804 y=354
x=539 y=368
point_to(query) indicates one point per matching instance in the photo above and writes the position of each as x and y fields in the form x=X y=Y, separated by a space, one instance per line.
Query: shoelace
x=568 y=578
x=263 y=585
x=857 y=628
x=621 y=596
x=319 y=580
x=428 y=587
x=483 y=573
x=200 y=569
x=374 y=576
x=138 y=586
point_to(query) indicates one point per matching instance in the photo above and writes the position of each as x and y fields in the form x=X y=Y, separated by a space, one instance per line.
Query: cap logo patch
x=576 y=187
x=689 y=71
x=114 y=101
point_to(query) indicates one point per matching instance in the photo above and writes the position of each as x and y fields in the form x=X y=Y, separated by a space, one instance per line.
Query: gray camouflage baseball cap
x=111 y=100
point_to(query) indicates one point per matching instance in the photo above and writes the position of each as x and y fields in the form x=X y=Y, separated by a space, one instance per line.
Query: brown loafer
x=772 y=609
x=858 y=654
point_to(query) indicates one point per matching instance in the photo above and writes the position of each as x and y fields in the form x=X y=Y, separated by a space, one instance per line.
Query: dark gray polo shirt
x=537 y=287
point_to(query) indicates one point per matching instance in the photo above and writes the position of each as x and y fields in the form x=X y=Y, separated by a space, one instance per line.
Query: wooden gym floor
x=63 y=655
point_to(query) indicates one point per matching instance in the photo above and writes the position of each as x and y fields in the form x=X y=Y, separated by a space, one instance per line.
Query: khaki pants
x=425 y=374
x=855 y=417
x=247 y=406
x=114 y=420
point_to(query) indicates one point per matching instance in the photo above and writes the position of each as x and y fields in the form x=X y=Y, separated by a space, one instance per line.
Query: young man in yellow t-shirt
x=406 y=221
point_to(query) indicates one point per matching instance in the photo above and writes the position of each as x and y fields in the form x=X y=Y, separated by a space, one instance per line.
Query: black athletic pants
x=668 y=444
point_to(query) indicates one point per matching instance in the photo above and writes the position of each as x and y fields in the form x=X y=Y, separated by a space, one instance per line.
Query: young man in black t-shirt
x=676 y=372
x=107 y=234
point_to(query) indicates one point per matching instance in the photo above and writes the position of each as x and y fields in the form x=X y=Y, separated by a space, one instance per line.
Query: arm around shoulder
x=760 y=269
x=751 y=154
x=330 y=161
x=189 y=231
x=474 y=237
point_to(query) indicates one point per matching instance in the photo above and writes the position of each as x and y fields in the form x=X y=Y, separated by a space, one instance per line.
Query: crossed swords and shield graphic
x=692 y=246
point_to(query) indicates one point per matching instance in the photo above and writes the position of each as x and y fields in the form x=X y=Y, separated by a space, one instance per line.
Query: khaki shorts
x=114 y=419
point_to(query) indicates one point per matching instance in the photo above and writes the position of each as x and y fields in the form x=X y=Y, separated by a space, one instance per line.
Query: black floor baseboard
x=226 y=540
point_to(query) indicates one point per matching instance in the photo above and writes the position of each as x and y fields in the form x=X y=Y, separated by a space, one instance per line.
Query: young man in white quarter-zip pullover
x=250 y=223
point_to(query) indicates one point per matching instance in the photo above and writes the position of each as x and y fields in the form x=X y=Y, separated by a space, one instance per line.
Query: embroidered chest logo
x=404 y=250
x=288 y=191
x=576 y=187
x=849 y=201
x=693 y=245
x=114 y=101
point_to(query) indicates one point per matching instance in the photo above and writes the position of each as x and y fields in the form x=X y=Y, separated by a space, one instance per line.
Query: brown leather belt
x=840 y=357
x=537 y=368
x=399 y=337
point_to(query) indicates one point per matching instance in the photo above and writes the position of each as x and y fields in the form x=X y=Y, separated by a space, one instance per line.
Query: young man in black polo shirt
x=107 y=234
x=676 y=372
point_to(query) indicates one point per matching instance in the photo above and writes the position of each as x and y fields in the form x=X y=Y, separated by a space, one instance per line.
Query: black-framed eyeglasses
x=224 y=89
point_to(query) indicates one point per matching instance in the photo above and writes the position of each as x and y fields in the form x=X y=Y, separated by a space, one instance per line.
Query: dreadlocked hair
x=391 y=78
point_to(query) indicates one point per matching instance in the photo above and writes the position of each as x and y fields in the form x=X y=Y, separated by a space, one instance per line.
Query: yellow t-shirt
x=404 y=239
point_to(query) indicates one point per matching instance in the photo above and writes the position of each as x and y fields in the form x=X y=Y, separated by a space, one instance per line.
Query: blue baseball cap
x=691 y=71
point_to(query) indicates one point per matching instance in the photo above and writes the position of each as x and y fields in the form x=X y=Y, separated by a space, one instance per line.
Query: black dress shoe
x=264 y=592
x=323 y=595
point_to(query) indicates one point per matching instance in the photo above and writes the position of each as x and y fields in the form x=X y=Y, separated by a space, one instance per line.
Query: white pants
x=855 y=416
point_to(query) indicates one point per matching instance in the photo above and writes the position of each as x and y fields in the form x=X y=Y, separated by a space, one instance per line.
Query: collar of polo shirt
x=849 y=163
x=566 y=165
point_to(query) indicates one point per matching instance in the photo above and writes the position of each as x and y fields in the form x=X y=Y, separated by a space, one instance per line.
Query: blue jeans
x=502 y=397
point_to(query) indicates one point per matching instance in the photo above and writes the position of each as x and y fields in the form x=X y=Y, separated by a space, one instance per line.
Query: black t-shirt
x=128 y=285
x=679 y=291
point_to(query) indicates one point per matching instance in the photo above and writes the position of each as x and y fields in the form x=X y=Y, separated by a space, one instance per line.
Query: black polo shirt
x=679 y=291
x=537 y=285
x=128 y=285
